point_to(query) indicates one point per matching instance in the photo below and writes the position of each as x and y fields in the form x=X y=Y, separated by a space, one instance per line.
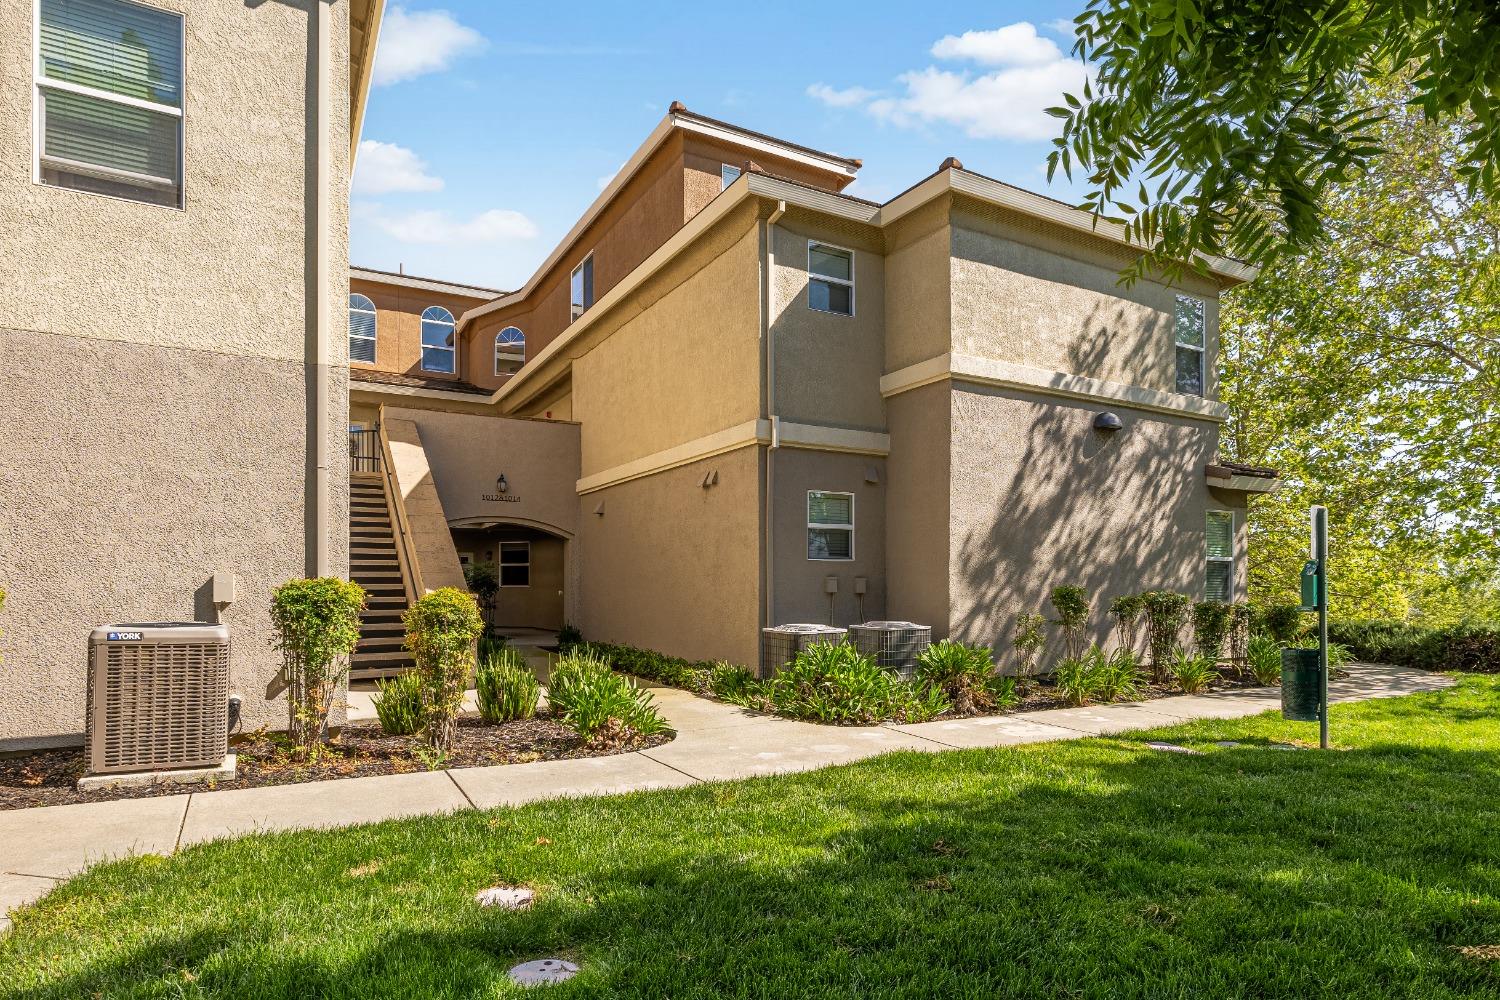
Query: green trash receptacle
x=1301 y=685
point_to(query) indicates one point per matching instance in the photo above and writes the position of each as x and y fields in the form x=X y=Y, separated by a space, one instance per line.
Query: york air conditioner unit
x=894 y=645
x=158 y=696
x=780 y=645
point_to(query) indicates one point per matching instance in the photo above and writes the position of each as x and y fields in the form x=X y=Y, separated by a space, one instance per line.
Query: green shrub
x=1239 y=632
x=506 y=687
x=1119 y=675
x=604 y=708
x=1166 y=613
x=731 y=682
x=441 y=630
x=1004 y=692
x=483 y=580
x=1127 y=610
x=491 y=646
x=1211 y=621
x=653 y=666
x=1071 y=603
x=1468 y=647
x=1029 y=638
x=1193 y=674
x=317 y=628
x=962 y=673
x=1282 y=622
x=398 y=704
x=568 y=637
x=1264 y=658
x=1077 y=678
x=830 y=682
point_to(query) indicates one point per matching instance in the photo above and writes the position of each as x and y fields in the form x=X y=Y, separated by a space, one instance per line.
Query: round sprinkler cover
x=505 y=897
x=545 y=970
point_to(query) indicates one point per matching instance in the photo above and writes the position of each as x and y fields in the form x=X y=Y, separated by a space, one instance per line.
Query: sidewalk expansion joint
x=642 y=753
x=919 y=736
x=461 y=790
x=177 y=844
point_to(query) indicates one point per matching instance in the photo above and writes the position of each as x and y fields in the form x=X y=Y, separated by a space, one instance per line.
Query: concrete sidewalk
x=39 y=847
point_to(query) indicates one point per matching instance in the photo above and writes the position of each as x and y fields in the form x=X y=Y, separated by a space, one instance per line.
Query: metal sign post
x=1320 y=556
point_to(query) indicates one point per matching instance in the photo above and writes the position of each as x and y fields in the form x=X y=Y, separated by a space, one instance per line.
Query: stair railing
x=406 y=555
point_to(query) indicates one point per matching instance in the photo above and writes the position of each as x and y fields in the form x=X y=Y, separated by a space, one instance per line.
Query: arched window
x=438 y=354
x=510 y=351
x=361 y=328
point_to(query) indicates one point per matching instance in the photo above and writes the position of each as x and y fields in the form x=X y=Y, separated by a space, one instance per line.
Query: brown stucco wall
x=1040 y=499
x=797 y=581
x=702 y=158
x=673 y=566
x=153 y=420
x=540 y=603
x=918 y=474
x=398 y=328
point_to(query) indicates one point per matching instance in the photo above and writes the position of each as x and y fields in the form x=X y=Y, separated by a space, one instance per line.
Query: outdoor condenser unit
x=780 y=645
x=158 y=696
x=894 y=645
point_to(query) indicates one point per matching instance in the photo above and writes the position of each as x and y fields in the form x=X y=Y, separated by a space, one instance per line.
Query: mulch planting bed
x=48 y=777
x=1043 y=695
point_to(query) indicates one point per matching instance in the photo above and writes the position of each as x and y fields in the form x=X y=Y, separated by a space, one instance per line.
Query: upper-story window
x=728 y=174
x=510 y=351
x=109 y=99
x=582 y=288
x=830 y=273
x=361 y=328
x=438 y=354
x=1190 y=338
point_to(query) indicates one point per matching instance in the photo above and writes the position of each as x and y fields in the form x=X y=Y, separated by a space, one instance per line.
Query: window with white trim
x=510 y=350
x=830 y=278
x=361 y=328
x=728 y=174
x=582 y=286
x=1189 y=330
x=515 y=564
x=830 y=525
x=109 y=99
x=1218 y=536
x=438 y=351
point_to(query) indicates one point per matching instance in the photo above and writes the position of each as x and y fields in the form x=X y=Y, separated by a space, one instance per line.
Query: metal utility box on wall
x=894 y=645
x=158 y=695
x=780 y=645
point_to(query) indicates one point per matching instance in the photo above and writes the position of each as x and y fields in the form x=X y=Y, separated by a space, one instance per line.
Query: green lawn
x=1097 y=868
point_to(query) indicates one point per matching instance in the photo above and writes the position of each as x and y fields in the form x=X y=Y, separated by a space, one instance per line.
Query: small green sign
x=1310 y=593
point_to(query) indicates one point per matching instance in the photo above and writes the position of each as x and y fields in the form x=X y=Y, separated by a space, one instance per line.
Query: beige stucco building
x=173 y=222
x=735 y=397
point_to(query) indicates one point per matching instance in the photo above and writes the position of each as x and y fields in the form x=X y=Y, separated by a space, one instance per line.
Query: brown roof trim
x=414 y=381
x=678 y=108
x=483 y=290
x=1227 y=470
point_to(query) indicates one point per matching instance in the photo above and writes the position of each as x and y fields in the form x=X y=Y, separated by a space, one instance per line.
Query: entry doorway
x=517 y=573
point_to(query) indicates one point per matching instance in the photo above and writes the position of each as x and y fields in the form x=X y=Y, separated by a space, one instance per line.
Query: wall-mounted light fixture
x=501 y=485
x=1108 y=423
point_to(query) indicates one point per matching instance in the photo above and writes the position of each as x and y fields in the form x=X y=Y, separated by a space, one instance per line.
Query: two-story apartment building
x=173 y=203
x=744 y=398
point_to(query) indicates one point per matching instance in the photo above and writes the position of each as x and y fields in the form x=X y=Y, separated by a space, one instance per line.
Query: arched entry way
x=528 y=564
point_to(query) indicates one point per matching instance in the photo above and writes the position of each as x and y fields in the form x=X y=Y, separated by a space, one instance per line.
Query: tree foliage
x=1218 y=126
x=1368 y=371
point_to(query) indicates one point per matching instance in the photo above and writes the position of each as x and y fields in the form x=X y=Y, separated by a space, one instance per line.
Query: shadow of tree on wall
x=1129 y=874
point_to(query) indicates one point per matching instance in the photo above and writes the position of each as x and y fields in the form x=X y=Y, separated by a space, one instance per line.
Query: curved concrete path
x=715 y=742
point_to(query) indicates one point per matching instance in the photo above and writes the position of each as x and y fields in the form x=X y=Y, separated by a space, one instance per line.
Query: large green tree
x=1219 y=126
x=1368 y=370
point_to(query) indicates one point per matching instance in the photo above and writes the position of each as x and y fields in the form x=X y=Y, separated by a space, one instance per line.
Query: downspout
x=317 y=347
x=768 y=314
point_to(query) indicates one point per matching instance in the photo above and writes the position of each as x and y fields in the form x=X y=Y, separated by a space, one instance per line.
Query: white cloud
x=413 y=43
x=1013 y=45
x=1024 y=75
x=1062 y=26
x=383 y=167
x=432 y=226
x=835 y=98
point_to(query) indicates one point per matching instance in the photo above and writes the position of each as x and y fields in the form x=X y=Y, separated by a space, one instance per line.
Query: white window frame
x=1209 y=560
x=574 y=309
x=498 y=342
x=500 y=565
x=728 y=174
x=373 y=338
x=41 y=81
x=811 y=277
x=424 y=348
x=823 y=526
x=1201 y=349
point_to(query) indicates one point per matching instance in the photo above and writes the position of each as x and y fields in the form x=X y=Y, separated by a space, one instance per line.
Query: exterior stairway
x=373 y=565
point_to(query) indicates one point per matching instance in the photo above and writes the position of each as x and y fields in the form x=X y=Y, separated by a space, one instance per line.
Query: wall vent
x=780 y=645
x=158 y=695
x=894 y=645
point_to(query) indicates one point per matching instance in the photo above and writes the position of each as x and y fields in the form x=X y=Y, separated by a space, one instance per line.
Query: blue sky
x=492 y=126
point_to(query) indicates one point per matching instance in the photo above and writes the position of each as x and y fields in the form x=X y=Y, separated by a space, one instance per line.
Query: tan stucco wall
x=828 y=366
x=1040 y=499
x=398 y=328
x=437 y=563
x=681 y=359
x=797 y=581
x=673 y=566
x=1025 y=293
x=703 y=159
x=540 y=603
x=153 y=420
x=916 y=503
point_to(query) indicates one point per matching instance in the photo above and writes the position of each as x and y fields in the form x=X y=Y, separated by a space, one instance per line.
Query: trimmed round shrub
x=441 y=630
x=1211 y=622
x=317 y=628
